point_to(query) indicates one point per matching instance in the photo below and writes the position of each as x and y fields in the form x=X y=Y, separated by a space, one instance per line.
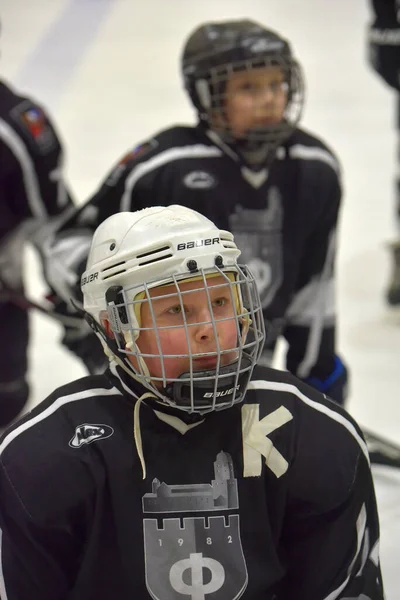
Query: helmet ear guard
x=204 y=94
x=112 y=343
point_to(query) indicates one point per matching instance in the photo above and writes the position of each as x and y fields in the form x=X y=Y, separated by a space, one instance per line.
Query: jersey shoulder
x=313 y=150
x=320 y=441
x=163 y=148
x=51 y=419
x=47 y=450
x=25 y=124
x=170 y=139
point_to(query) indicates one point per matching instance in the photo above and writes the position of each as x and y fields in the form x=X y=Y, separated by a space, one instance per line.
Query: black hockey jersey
x=106 y=495
x=384 y=41
x=32 y=189
x=387 y=12
x=283 y=220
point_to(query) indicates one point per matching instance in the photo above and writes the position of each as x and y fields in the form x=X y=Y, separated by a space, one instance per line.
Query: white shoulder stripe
x=3 y=591
x=19 y=150
x=47 y=412
x=314 y=153
x=195 y=151
x=292 y=389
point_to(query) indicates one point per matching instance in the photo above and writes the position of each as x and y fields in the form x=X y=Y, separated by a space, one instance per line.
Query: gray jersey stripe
x=3 y=591
x=314 y=153
x=317 y=325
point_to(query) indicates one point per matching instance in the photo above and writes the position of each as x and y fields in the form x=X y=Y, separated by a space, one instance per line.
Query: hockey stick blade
x=382 y=451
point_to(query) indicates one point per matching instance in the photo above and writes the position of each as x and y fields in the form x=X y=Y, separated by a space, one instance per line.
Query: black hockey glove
x=384 y=53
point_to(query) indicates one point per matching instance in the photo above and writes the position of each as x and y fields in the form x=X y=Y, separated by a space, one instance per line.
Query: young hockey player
x=32 y=195
x=248 y=167
x=185 y=470
x=384 y=58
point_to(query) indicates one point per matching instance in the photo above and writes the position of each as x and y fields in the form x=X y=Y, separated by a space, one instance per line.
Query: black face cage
x=194 y=390
x=209 y=97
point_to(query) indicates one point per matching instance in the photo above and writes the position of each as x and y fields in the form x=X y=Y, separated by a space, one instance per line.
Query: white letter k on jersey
x=257 y=444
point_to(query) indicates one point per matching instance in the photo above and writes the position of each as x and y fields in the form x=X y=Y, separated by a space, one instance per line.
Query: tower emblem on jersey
x=259 y=235
x=221 y=493
x=197 y=556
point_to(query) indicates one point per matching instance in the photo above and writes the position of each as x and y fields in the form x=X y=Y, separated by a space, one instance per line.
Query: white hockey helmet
x=134 y=252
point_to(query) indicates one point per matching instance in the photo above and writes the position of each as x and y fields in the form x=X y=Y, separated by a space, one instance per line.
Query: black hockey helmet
x=215 y=50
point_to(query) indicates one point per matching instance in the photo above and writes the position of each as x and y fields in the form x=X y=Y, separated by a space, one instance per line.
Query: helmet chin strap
x=130 y=344
x=254 y=155
x=257 y=155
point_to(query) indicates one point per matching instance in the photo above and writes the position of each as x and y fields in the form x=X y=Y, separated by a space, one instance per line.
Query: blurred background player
x=384 y=57
x=32 y=196
x=184 y=457
x=249 y=167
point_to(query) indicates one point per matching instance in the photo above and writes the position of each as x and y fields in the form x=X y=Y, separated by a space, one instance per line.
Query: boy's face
x=200 y=334
x=254 y=98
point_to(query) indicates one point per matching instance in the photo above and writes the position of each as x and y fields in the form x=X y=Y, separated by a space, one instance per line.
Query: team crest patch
x=133 y=154
x=138 y=151
x=34 y=122
x=198 y=556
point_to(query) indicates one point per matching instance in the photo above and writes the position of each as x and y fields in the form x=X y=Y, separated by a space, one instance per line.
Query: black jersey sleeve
x=311 y=317
x=35 y=558
x=334 y=554
x=32 y=164
x=383 y=41
x=331 y=531
x=385 y=12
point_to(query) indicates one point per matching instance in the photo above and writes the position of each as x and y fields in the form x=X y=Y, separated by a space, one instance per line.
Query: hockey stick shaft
x=19 y=299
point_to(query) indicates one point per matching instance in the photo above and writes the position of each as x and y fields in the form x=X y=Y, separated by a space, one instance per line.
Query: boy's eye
x=277 y=86
x=219 y=302
x=247 y=86
x=175 y=310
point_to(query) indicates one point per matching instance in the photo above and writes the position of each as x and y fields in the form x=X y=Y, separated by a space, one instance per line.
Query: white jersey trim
x=314 y=153
x=170 y=155
x=19 y=150
x=50 y=410
x=3 y=591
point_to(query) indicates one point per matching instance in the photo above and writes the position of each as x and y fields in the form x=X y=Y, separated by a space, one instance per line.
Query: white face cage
x=211 y=380
x=212 y=94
